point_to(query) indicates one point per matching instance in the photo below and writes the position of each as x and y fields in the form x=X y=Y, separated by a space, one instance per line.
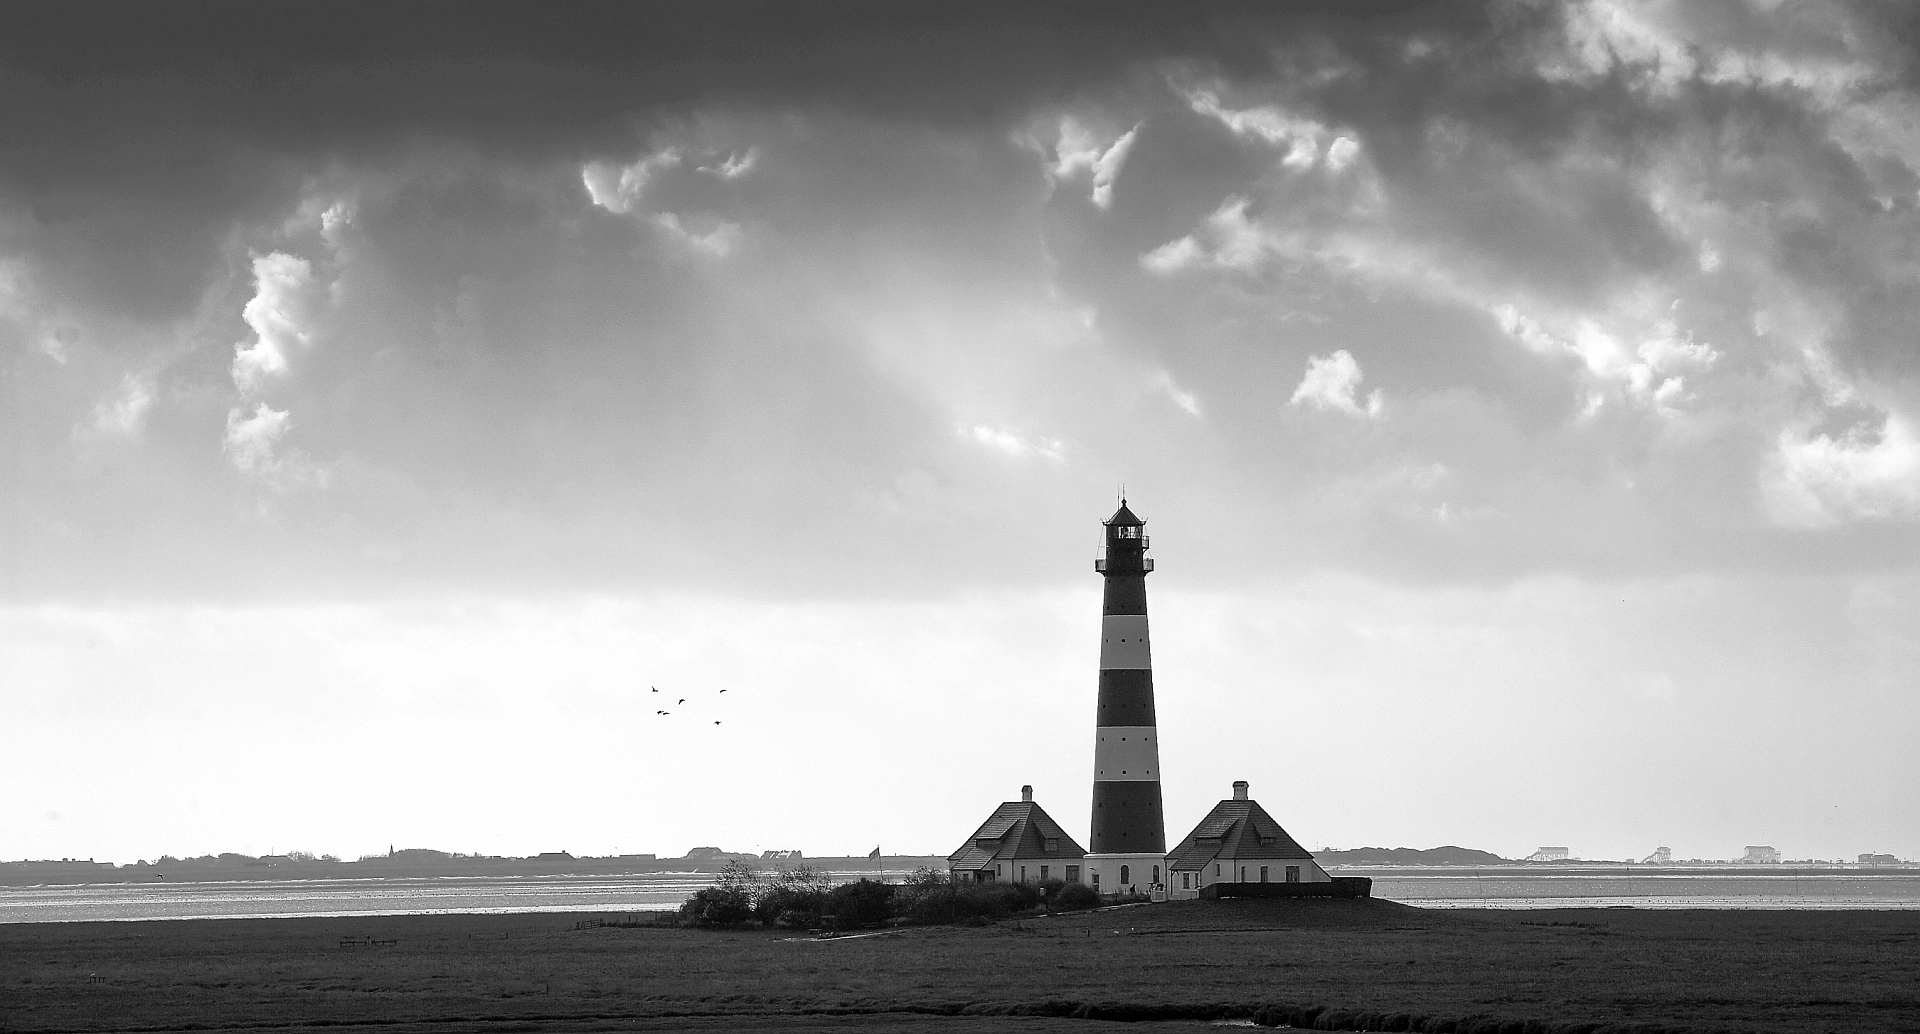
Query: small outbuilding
x=1238 y=842
x=1020 y=843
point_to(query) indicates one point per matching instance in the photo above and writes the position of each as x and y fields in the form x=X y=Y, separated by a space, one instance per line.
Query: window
x=1263 y=874
x=1043 y=872
x=1266 y=840
x=1243 y=874
x=1073 y=874
x=1023 y=874
x=1216 y=870
x=1156 y=875
x=1185 y=879
x=1293 y=874
x=1096 y=881
x=1053 y=844
x=1124 y=878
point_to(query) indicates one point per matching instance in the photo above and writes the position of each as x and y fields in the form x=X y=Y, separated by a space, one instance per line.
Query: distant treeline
x=419 y=862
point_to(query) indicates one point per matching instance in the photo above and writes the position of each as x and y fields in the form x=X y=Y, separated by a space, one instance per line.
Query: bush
x=717 y=906
x=863 y=903
x=1076 y=896
x=790 y=906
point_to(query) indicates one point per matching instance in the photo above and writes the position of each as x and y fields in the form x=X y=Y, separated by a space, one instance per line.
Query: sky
x=1523 y=398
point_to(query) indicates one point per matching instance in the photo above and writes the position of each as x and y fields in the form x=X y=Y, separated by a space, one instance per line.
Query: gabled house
x=1019 y=842
x=1238 y=842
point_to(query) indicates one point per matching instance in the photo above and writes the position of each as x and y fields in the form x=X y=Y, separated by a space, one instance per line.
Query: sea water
x=1493 y=887
x=1638 y=887
x=263 y=899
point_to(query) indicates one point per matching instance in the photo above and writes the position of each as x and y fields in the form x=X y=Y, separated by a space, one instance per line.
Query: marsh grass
x=1366 y=963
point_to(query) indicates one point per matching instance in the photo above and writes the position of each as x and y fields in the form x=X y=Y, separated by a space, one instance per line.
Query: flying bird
x=654 y=688
x=717 y=723
x=723 y=691
x=683 y=700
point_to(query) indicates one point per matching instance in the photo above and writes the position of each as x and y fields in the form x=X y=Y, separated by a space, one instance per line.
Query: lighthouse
x=1128 y=846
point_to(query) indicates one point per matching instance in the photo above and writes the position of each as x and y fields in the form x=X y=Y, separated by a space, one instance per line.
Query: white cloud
x=1186 y=400
x=1667 y=43
x=1079 y=151
x=1331 y=382
x=1232 y=241
x=1653 y=373
x=1174 y=256
x=1823 y=481
x=251 y=440
x=718 y=242
x=1342 y=152
x=1016 y=445
x=1300 y=136
x=18 y=304
x=735 y=164
x=334 y=222
x=1524 y=329
x=618 y=188
x=280 y=314
x=122 y=414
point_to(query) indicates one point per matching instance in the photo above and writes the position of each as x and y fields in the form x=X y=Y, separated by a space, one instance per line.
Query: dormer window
x=1053 y=844
x=1266 y=841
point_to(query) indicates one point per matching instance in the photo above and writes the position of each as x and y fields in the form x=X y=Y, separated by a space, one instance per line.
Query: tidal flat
x=1371 y=961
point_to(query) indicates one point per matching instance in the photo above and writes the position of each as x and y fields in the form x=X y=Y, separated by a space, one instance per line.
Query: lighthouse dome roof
x=1123 y=517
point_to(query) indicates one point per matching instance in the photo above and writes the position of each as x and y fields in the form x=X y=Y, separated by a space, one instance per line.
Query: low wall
x=1340 y=887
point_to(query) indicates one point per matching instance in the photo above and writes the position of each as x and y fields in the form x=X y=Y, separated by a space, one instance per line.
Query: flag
x=875 y=854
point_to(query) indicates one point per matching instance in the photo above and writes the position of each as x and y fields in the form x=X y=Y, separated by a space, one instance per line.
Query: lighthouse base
x=1128 y=874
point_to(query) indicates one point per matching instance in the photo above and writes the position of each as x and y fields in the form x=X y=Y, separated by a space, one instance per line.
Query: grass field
x=1797 y=972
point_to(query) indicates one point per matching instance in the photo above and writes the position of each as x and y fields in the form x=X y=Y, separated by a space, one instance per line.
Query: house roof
x=1234 y=829
x=1015 y=830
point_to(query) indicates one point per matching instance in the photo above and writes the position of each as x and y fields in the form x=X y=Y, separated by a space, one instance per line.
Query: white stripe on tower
x=1129 y=753
x=1123 y=642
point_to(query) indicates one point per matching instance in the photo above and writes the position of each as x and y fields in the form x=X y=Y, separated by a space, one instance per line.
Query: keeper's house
x=1019 y=842
x=1238 y=842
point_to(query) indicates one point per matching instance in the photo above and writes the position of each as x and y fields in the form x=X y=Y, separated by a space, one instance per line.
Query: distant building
x=1878 y=859
x=1761 y=856
x=1021 y=843
x=1660 y=856
x=708 y=854
x=1549 y=854
x=781 y=856
x=1238 y=842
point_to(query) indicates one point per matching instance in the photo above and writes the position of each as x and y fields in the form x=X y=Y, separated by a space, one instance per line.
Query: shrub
x=741 y=876
x=1074 y=897
x=920 y=902
x=717 y=906
x=790 y=906
x=862 y=903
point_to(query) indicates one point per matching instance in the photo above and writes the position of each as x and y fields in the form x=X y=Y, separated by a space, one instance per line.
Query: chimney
x=1026 y=794
x=1239 y=789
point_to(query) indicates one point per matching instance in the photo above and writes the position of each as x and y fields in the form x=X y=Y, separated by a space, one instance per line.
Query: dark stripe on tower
x=1127 y=819
x=1126 y=697
x=1126 y=593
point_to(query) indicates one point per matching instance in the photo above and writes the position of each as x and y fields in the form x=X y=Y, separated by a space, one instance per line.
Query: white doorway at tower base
x=1128 y=873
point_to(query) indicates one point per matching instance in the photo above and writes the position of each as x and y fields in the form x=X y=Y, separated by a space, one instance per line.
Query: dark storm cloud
x=139 y=133
x=604 y=277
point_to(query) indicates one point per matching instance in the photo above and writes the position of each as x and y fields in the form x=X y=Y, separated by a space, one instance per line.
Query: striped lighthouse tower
x=1128 y=848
